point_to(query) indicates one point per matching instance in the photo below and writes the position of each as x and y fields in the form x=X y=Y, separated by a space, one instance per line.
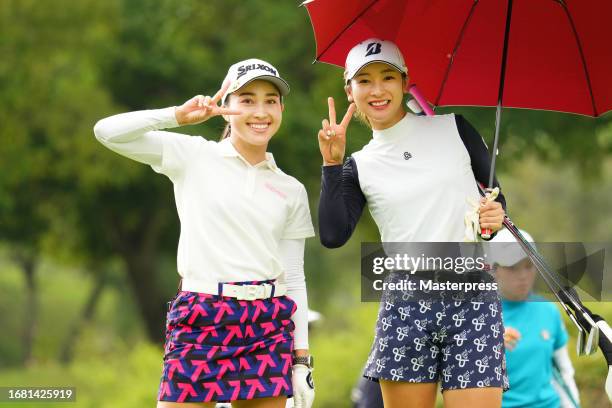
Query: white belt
x=240 y=292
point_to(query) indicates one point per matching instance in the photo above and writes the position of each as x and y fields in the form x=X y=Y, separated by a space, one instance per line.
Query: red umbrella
x=537 y=54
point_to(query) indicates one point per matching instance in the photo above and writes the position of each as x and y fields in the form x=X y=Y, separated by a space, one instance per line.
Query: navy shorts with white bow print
x=456 y=340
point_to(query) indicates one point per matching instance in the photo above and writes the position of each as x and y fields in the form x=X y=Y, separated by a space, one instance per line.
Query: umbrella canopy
x=537 y=54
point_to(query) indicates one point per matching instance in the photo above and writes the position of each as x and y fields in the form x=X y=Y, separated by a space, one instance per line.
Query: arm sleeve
x=566 y=370
x=292 y=261
x=137 y=135
x=479 y=154
x=340 y=204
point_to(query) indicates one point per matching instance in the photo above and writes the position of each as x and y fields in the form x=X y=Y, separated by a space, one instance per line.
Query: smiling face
x=517 y=280
x=261 y=117
x=378 y=91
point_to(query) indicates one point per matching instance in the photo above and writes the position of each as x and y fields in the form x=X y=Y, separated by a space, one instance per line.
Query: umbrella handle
x=485 y=233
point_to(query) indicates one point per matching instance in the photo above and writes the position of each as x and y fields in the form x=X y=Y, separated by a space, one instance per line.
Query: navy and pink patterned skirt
x=222 y=349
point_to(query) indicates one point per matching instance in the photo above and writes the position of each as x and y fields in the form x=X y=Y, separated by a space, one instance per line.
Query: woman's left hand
x=303 y=387
x=491 y=215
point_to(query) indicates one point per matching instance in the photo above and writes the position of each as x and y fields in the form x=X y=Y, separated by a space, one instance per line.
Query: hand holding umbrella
x=491 y=216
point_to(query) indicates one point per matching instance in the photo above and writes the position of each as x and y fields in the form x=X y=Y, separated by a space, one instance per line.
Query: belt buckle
x=253 y=292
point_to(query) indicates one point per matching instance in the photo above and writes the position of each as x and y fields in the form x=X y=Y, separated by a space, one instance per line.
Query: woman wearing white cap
x=230 y=329
x=535 y=336
x=417 y=175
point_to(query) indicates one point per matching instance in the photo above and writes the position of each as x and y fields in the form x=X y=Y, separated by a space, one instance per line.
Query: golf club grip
x=414 y=106
x=414 y=91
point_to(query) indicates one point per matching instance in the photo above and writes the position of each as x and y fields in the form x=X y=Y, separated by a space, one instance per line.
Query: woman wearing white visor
x=535 y=335
x=233 y=331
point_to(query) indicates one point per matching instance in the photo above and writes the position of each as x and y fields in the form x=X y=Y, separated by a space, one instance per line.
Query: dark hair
x=228 y=128
x=226 y=132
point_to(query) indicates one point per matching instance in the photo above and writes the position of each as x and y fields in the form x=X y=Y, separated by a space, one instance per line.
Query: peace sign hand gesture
x=201 y=108
x=332 y=136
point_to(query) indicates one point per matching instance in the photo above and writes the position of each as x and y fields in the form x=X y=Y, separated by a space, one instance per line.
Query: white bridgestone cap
x=371 y=51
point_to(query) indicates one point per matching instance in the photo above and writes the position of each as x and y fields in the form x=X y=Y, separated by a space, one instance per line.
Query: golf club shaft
x=535 y=257
x=545 y=272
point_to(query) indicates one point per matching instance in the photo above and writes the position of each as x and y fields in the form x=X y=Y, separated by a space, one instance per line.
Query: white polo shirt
x=232 y=214
x=418 y=180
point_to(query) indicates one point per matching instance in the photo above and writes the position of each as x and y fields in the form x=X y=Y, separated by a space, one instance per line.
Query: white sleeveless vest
x=417 y=179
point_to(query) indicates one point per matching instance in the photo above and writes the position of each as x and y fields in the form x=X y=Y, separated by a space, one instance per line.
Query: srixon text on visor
x=243 y=69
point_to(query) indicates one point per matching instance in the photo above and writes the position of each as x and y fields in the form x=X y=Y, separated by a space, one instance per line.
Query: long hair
x=226 y=132
x=228 y=128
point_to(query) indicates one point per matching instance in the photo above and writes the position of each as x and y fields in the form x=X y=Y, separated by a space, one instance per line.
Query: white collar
x=227 y=149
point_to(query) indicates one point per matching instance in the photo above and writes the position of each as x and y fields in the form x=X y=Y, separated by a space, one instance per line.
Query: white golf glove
x=303 y=386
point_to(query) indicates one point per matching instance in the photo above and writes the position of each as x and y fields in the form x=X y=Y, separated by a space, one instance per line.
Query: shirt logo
x=275 y=190
x=373 y=48
x=407 y=156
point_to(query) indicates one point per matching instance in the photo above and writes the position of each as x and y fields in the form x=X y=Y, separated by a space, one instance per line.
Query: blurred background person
x=535 y=337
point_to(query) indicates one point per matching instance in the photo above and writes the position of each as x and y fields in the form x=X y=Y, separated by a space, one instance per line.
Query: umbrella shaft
x=495 y=144
x=500 y=94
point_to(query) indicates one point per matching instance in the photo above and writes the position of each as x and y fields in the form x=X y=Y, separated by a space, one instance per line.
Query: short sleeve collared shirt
x=233 y=214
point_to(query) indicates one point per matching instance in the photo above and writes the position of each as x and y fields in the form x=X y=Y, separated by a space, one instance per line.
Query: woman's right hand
x=332 y=136
x=201 y=108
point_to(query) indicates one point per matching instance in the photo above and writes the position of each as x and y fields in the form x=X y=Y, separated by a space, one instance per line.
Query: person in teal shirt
x=535 y=337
